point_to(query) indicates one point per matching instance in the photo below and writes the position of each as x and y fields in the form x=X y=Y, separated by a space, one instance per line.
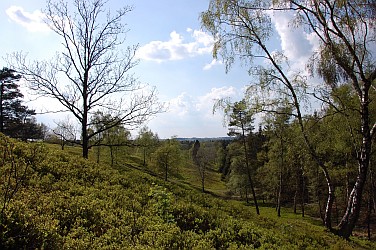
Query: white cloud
x=186 y=105
x=202 y=38
x=212 y=64
x=205 y=103
x=33 y=22
x=192 y=116
x=176 y=48
x=296 y=44
x=181 y=105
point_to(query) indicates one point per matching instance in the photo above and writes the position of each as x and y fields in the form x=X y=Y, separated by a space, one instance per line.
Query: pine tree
x=16 y=120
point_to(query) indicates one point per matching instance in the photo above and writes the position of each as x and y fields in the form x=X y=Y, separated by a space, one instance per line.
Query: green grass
x=212 y=183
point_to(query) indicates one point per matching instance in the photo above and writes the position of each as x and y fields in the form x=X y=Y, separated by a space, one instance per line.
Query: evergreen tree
x=16 y=120
x=240 y=119
x=8 y=93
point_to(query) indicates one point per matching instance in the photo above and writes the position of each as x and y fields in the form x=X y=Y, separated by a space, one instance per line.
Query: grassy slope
x=290 y=223
x=72 y=203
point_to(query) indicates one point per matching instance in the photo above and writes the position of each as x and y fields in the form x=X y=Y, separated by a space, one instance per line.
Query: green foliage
x=16 y=120
x=162 y=202
x=67 y=202
x=147 y=141
x=168 y=158
x=242 y=30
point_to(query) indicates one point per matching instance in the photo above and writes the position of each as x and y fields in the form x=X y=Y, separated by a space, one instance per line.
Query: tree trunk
x=253 y=190
x=112 y=155
x=303 y=194
x=329 y=205
x=84 y=122
x=62 y=143
x=318 y=195
x=351 y=216
x=246 y=194
x=249 y=171
x=1 y=108
x=369 y=211
x=295 y=200
x=85 y=142
x=331 y=194
x=297 y=186
x=166 y=166
x=373 y=189
x=347 y=185
x=279 y=192
x=280 y=181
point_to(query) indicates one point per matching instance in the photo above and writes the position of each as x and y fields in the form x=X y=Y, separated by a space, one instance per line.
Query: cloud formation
x=33 y=22
x=296 y=43
x=176 y=48
x=213 y=63
x=189 y=113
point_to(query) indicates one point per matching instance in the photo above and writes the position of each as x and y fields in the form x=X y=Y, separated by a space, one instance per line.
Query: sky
x=175 y=56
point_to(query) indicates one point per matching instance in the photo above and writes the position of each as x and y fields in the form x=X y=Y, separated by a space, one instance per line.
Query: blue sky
x=175 y=56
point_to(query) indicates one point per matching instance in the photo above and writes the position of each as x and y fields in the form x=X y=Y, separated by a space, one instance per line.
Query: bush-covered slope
x=53 y=200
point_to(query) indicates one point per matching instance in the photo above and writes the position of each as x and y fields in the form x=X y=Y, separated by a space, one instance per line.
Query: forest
x=289 y=176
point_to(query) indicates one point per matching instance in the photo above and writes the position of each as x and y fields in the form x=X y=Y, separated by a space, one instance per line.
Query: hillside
x=55 y=200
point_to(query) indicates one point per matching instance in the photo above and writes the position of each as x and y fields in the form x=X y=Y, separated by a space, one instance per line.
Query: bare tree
x=92 y=72
x=204 y=157
x=66 y=130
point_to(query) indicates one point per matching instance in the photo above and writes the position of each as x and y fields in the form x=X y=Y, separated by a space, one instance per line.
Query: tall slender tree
x=240 y=120
x=204 y=156
x=277 y=145
x=346 y=32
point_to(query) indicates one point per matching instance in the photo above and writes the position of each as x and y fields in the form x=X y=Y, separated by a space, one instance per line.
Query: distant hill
x=225 y=138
